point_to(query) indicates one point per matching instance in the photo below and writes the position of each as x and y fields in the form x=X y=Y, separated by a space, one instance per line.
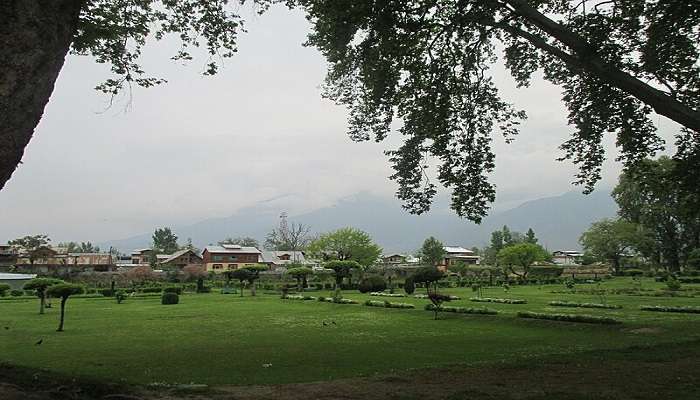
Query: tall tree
x=432 y=253
x=288 y=237
x=530 y=237
x=64 y=291
x=35 y=246
x=164 y=240
x=522 y=256
x=425 y=62
x=609 y=240
x=246 y=241
x=346 y=244
x=650 y=193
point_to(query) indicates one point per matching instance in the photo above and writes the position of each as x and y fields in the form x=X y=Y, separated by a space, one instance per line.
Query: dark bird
x=39 y=342
x=324 y=323
x=7 y=327
x=333 y=322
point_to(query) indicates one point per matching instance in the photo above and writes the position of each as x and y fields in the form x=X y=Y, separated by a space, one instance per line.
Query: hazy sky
x=200 y=147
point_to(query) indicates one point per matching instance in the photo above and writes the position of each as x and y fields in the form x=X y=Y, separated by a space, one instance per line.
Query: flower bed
x=583 y=305
x=298 y=297
x=382 y=294
x=425 y=296
x=386 y=304
x=674 y=309
x=337 y=301
x=497 y=300
x=591 y=319
x=462 y=310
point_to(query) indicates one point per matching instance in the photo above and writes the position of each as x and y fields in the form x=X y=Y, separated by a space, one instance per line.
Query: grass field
x=219 y=339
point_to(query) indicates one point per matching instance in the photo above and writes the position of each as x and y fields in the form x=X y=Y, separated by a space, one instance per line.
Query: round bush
x=170 y=298
x=409 y=286
x=3 y=289
x=16 y=293
x=372 y=284
x=120 y=295
x=173 y=289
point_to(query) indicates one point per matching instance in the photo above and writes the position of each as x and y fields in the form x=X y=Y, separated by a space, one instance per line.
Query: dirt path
x=671 y=371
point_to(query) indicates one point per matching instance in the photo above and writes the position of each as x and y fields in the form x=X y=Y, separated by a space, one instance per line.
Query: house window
x=233 y=258
x=217 y=266
x=218 y=258
x=232 y=266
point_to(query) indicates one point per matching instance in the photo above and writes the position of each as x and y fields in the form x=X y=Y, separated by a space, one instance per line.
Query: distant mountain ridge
x=558 y=222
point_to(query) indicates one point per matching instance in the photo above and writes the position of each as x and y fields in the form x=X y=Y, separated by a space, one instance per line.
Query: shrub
x=496 y=300
x=632 y=272
x=16 y=293
x=582 y=305
x=462 y=310
x=382 y=294
x=689 y=279
x=337 y=300
x=298 y=297
x=169 y=298
x=373 y=283
x=388 y=304
x=374 y=303
x=675 y=309
x=409 y=286
x=173 y=289
x=151 y=289
x=592 y=319
x=4 y=287
x=673 y=284
x=120 y=295
x=107 y=292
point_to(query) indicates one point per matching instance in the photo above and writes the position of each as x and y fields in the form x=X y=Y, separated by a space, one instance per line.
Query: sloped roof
x=233 y=249
x=457 y=249
x=273 y=256
x=175 y=255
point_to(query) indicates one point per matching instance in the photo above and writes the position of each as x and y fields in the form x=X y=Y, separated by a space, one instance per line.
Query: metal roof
x=12 y=277
x=232 y=249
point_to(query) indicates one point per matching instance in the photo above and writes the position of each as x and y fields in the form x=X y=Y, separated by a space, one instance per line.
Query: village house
x=50 y=261
x=567 y=257
x=456 y=254
x=180 y=259
x=395 y=258
x=277 y=259
x=229 y=257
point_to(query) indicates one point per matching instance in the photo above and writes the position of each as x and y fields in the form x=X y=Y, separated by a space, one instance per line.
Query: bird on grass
x=268 y=365
x=39 y=342
x=325 y=323
x=7 y=327
x=333 y=322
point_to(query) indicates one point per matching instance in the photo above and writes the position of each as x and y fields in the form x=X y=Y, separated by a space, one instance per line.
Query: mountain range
x=558 y=222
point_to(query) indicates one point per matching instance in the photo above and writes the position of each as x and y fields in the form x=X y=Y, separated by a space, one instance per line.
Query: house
x=276 y=259
x=394 y=258
x=567 y=257
x=16 y=281
x=8 y=257
x=455 y=254
x=229 y=257
x=141 y=256
x=180 y=258
x=49 y=261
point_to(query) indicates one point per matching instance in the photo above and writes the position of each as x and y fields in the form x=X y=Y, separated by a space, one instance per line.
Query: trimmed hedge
x=583 y=305
x=298 y=297
x=689 y=279
x=172 y=289
x=497 y=300
x=339 y=301
x=152 y=289
x=107 y=292
x=425 y=296
x=382 y=294
x=674 y=309
x=462 y=310
x=169 y=298
x=387 y=304
x=591 y=319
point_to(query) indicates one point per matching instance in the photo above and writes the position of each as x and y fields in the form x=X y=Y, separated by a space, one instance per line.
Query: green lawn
x=225 y=339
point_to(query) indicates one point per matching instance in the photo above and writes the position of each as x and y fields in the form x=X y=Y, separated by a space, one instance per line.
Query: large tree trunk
x=35 y=37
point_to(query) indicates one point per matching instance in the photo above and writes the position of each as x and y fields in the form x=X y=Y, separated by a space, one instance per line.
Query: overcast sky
x=201 y=147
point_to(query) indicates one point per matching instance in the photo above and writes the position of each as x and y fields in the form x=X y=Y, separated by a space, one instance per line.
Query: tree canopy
x=432 y=252
x=164 y=240
x=246 y=241
x=522 y=255
x=610 y=240
x=346 y=244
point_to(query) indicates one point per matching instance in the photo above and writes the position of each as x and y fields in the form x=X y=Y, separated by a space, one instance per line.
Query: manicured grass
x=226 y=339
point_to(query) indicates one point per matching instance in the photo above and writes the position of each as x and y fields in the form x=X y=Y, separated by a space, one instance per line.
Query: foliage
x=107 y=292
x=583 y=305
x=173 y=289
x=374 y=283
x=342 y=268
x=3 y=289
x=300 y=274
x=245 y=241
x=409 y=285
x=673 y=284
x=16 y=293
x=35 y=246
x=593 y=319
x=64 y=291
x=140 y=275
x=387 y=304
x=672 y=309
x=693 y=261
x=427 y=275
x=337 y=300
x=169 y=298
x=299 y=297
x=82 y=247
x=40 y=285
x=120 y=296
x=165 y=241
x=427 y=65
x=194 y=272
x=432 y=252
x=651 y=194
x=462 y=310
x=530 y=237
x=437 y=299
x=610 y=239
x=497 y=300
x=522 y=255
x=346 y=244
x=383 y=294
